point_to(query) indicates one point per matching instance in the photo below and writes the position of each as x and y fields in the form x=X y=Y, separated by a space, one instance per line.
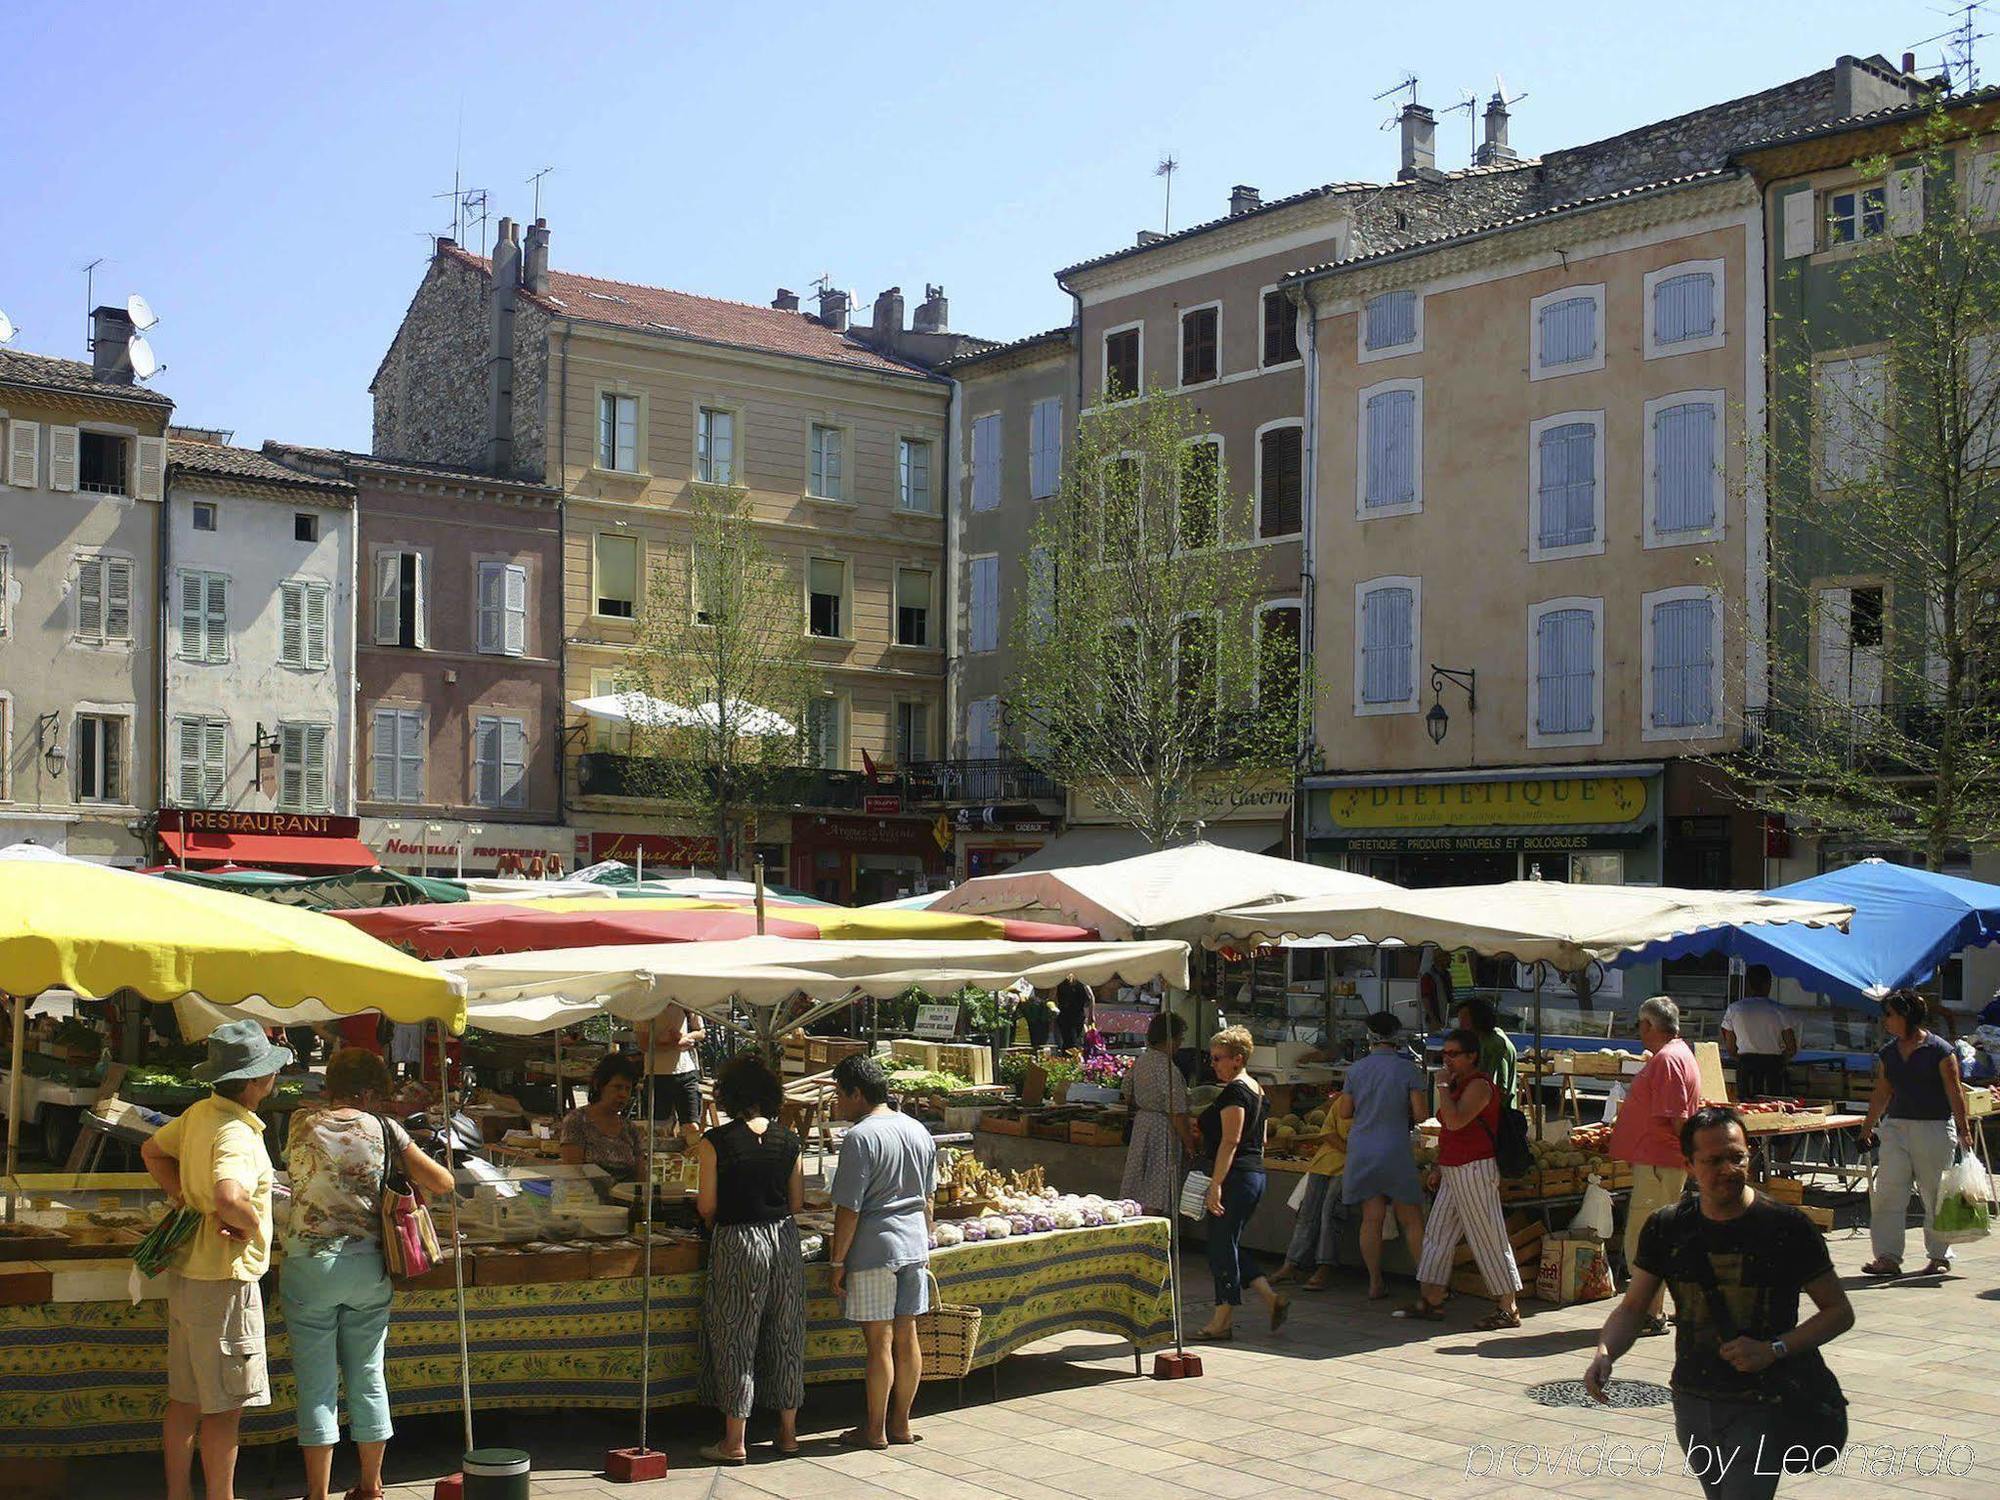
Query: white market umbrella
x=1167 y=893
x=635 y=708
x=744 y=718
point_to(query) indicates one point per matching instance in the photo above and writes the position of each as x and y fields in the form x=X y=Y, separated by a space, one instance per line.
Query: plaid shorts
x=886 y=1292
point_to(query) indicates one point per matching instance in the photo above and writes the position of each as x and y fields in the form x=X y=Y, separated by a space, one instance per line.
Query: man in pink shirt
x=1647 y=1132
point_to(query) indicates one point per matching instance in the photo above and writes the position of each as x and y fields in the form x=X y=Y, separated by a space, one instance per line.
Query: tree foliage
x=1140 y=674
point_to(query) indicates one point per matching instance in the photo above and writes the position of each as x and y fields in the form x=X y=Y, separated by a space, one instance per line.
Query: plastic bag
x=1964 y=1194
x=1593 y=1217
x=1614 y=1097
x=1298 y=1198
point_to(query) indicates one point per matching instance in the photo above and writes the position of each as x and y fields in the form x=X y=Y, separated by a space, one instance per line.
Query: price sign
x=937 y=1023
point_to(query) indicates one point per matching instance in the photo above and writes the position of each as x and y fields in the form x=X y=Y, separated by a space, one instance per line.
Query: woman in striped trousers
x=754 y=1314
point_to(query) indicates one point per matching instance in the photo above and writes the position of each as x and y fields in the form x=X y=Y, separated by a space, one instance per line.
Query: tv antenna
x=535 y=182
x=1468 y=101
x=7 y=329
x=1409 y=85
x=1166 y=167
x=90 y=300
x=1961 y=63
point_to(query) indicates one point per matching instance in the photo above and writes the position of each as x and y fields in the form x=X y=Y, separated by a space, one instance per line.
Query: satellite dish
x=6 y=329
x=144 y=364
x=143 y=316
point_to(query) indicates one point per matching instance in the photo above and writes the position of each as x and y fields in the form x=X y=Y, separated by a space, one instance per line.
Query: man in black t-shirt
x=1737 y=1262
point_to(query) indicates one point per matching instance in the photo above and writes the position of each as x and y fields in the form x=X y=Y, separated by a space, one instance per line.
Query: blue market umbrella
x=1906 y=922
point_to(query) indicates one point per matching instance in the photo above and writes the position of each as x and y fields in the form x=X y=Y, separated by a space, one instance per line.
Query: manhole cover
x=1625 y=1393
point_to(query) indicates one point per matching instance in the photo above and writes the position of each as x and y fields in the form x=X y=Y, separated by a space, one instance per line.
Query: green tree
x=722 y=655
x=1138 y=672
x=1884 y=518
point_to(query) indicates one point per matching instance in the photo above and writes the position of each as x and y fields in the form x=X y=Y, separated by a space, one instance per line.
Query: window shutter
x=513 y=762
x=982 y=726
x=423 y=633
x=291 y=766
x=1801 y=225
x=1392 y=320
x=24 y=453
x=1567 y=495
x=626 y=455
x=409 y=754
x=216 y=607
x=490 y=627
x=986 y=463
x=187 y=735
x=1564 y=673
x=1684 y=308
x=1044 y=448
x=1983 y=187
x=1278 y=509
x=315 y=605
x=985 y=604
x=292 y=627
x=316 y=737
x=90 y=599
x=1684 y=468
x=152 y=468
x=1391 y=439
x=388 y=596
x=1906 y=200
x=1569 y=330
x=63 y=443
x=214 y=759
x=383 y=785
x=1683 y=663
x=515 y=602
x=1385 y=645
x=117 y=599
x=194 y=619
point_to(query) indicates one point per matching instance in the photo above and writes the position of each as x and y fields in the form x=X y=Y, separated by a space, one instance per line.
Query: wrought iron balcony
x=604 y=773
x=1889 y=739
x=935 y=783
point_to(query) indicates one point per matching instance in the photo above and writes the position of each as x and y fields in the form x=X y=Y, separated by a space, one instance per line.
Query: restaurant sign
x=1256 y=801
x=278 y=824
x=1549 y=803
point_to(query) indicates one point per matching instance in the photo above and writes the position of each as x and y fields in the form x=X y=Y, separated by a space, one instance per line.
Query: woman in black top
x=1232 y=1142
x=754 y=1313
x=1917 y=1099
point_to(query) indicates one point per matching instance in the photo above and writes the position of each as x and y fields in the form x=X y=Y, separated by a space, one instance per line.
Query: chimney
x=1148 y=237
x=787 y=300
x=933 y=313
x=1861 y=87
x=535 y=263
x=1419 y=142
x=500 y=349
x=1244 y=199
x=1495 y=148
x=834 y=307
x=110 y=331
x=889 y=313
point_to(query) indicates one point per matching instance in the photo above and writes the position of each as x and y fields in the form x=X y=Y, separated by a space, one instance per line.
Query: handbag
x=1194 y=1196
x=409 y=1238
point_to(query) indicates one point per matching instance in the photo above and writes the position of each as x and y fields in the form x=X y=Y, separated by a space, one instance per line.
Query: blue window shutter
x=1392 y=320
x=1385 y=645
x=1567 y=498
x=1684 y=307
x=1683 y=662
x=1392 y=432
x=1569 y=330
x=1684 y=468
x=1564 y=672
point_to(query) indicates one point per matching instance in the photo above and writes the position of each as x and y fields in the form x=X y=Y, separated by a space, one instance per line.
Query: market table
x=90 y=1377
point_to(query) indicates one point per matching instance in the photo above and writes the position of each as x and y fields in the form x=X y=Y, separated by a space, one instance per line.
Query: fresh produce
x=946 y=1234
x=973 y=1230
x=995 y=1227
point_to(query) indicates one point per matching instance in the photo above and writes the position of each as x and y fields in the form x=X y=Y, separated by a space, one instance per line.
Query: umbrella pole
x=457 y=1245
x=1541 y=1076
x=15 y=1088
x=760 y=895
x=646 y=1260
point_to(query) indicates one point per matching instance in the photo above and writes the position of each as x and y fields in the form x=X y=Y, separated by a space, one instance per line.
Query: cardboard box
x=1784 y=1189
x=1003 y=1122
x=1096 y=1133
x=1049 y=1130
x=25 y=1284
x=1573 y=1269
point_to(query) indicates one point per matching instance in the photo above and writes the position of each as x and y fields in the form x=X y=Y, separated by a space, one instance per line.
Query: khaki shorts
x=1653 y=1188
x=215 y=1344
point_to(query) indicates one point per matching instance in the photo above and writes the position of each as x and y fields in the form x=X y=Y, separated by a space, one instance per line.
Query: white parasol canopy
x=1547 y=921
x=1167 y=893
x=657 y=713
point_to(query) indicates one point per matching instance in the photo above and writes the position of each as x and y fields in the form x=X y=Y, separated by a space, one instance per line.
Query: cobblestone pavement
x=1344 y=1402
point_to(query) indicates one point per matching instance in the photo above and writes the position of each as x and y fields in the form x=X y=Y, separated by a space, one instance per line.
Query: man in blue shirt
x=881 y=1242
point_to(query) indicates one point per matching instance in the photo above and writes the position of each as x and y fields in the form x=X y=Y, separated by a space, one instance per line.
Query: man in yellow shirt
x=1316 y=1231
x=214 y=1160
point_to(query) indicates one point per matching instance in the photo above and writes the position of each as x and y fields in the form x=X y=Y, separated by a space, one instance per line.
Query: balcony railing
x=1889 y=739
x=603 y=773
x=934 y=783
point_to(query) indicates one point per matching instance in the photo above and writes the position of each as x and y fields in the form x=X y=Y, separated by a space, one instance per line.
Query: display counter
x=88 y=1375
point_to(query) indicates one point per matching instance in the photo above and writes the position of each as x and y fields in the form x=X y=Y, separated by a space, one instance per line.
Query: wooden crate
x=999 y=1122
x=973 y=1064
x=822 y=1052
x=439 y=1277
x=25 y=1284
x=525 y=1267
x=678 y=1257
x=1784 y=1189
x=1049 y=1130
x=614 y=1261
x=922 y=1054
x=1095 y=1133
x=1518 y=1189
x=1555 y=1181
x=1823 y=1217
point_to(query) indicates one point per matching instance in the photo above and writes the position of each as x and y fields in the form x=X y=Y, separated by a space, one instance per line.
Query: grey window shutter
x=1683 y=663
x=187 y=736
x=316 y=624
x=1385 y=645
x=117 y=599
x=388 y=597
x=215 y=759
x=1801 y=229
x=316 y=768
x=292 y=625
x=1563 y=679
x=291 y=766
x=486 y=753
x=1392 y=320
x=513 y=763
x=515 y=604
x=194 y=617
x=1569 y=330
x=1684 y=308
x=382 y=781
x=410 y=755
x=24 y=453
x=1905 y=200
x=1567 y=496
x=90 y=599
x=1684 y=468
x=217 y=610
x=488 y=625
x=63 y=461
x=151 y=467
x=422 y=571
x=1391 y=444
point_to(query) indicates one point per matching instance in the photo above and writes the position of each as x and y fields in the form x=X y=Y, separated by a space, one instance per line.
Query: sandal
x=1421 y=1311
x=854 y=1437
x=1498 y=1321
x=714 y=1453
x=1319 y=1281
x=1653 y=1327
x=1283 y=1274
x=1280 y=1310
x=361 y=1492
x=1936 y=1268
x=1882 y=1267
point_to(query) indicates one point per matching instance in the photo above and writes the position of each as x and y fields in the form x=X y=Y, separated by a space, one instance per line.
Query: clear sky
x=265 y=174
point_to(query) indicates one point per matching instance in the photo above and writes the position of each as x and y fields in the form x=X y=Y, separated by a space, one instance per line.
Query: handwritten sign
x=937 y=1023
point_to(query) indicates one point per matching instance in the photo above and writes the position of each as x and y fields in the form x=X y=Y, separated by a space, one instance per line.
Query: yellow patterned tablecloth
x=90 y=1377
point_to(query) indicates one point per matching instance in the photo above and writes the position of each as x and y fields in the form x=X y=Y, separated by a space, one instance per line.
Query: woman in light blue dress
x=1384 y=1096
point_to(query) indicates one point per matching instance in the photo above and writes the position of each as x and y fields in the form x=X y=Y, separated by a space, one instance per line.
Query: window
x=1391 y=324
x=302 y=614
x=826 y=589
x=986 y=462
x=204 y=601
x=984 y=626
x=503 y=609
x=305 y=526
x=302 y=770
x=1200 y=493
x=6 y=738
x=1566 y=331
x=1851 y=635
x=1281 y=329
x=710 y=598
x=6 y=622
x=201 y=761
x=1982 y=188
x=100 y=757
x=103 y=601
x=1195 y=686
x=101 y=463
x=982 y=729
x=1385 y=635
x=913 y=732
x=1563 y=672
x=828 y=479
x=1681 y=650
x=615 y=563
x=823 y=738
x=1857 y=213
x=1865 y=616
x=1280 y=479
x=1121 y=363
x=400 y=616
x=1851 y=413
x=1278 y=655
x=1045 y=448
x=1684 y=468
x=203 y=515
x=1120 y=514
x=396 y=755
x=1392 y=428
x=1684 y=308
x=913 y=607
x=618 y=433
x=499 y=761
x=715 y=446
x=1041 y=592
x=913 y=475
x=1566 y=478
x=1199 y=336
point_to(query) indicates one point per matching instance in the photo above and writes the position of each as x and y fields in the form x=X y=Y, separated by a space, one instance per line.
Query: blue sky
x=264 y=174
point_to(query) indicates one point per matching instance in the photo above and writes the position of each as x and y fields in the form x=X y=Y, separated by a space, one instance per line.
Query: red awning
x=267 y=851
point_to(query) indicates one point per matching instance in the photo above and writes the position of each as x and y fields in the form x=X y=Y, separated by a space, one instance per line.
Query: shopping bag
x=1298 y=1199
x=1593 y=1218
x=1572 y=1270
x=409 y=1238
x=1194 y=1196
x=1612 y=1099
x=1964 y=1195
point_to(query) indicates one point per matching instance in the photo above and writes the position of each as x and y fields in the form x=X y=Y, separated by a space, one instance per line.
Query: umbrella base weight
x=1176 y=1366
x=634 y=1465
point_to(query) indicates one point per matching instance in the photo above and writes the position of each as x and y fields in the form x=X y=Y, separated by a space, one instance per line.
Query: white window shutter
x=515 y=601
x=513 y=763
x=188 y=753
x=117 y=599
x=90 y=598
x=384 y=728
x=194 y=617
x=1801 y=227
x=292 y=625
x=316 y=784
x=1906 y=200
x=215 y=605
x=1982 y=189
x=423 y=636
x=214 y=759
x=388 y=596
x=409 y=755
x=291 y=766
x=1835 y=670
x=151 y=467
x=488 y=627
x=24 y=453
x=985 y=604
x=316 y=624
x=63 y=445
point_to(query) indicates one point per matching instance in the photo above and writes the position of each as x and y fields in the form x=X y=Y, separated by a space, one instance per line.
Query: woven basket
x=948 y=1335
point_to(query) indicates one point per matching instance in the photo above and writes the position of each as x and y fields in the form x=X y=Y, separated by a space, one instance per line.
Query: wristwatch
x=1778 y=1348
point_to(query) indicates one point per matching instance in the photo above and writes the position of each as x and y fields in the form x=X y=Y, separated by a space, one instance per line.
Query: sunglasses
x=1454 y=1052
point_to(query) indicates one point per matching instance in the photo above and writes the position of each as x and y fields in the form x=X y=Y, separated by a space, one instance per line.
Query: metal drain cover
x=1622 y=1393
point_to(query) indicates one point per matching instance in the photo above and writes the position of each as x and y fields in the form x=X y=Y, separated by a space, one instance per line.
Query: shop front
x=992 y=839
x=449 y=847
x=1256 y=818
x=297 y=843
x=855 y=860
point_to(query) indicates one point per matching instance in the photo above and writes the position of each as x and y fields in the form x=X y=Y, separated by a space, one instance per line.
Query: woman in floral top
x=599 y=1134
x=334 y=1286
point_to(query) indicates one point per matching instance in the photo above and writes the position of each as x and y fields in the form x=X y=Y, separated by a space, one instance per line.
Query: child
x=1316 y=1232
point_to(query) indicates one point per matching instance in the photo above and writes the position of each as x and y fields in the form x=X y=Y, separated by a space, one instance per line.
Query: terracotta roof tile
x=18 y=368
x=364 y=464
x=215 y=460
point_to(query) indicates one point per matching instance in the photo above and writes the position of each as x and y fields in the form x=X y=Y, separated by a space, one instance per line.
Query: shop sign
x=279 y=824
x=1480 y=843
x=1259 y=801
x=1546 y=803
x=937 y=1023
x=872 y=803
x=851 y=833
x=655 y=848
